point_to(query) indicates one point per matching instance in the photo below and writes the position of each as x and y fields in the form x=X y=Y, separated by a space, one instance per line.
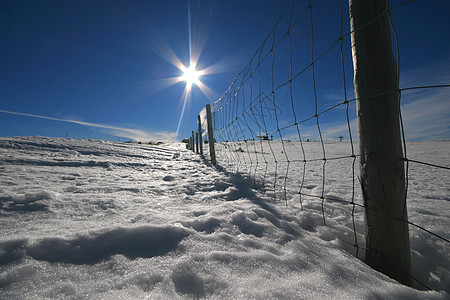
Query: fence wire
x=288 y=122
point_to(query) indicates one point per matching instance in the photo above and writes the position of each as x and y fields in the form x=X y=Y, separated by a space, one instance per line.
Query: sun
x=190 y=75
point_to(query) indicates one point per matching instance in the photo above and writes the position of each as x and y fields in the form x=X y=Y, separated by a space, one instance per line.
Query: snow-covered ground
x=84 y=219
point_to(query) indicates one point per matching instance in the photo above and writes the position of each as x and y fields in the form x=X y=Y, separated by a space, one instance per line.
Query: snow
x=89 y=219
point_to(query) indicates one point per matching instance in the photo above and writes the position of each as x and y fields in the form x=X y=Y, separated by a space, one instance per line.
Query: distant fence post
x=380 y=143
x=200 y=140
x=210 y=134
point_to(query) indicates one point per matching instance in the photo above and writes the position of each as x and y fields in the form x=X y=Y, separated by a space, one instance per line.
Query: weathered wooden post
x=193 y=142
x=380 y=143
x=210 y=134
x=196 y=142
x=200 y=133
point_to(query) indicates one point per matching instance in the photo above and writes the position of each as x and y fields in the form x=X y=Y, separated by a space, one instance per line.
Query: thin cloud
x=434 y=73
x=427 y=117
x=135 y=134
x=426 y=112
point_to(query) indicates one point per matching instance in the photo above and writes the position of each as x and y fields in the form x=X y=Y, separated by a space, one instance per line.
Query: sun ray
x=231 y=63
x=160 y=47
x=209 y=93
x=156 y=85
x=186 y=95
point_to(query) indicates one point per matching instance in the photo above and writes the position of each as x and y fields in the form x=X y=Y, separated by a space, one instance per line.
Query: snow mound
x=144 y=241
x=27 y=202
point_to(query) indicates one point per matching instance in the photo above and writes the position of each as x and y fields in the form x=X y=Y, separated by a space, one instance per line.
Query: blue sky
x=105 y=69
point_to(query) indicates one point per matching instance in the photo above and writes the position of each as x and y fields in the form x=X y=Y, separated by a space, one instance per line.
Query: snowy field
x=85 y=219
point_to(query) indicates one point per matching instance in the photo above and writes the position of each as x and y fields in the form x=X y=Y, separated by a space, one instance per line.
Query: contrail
x=60 y=120
x=135 y=134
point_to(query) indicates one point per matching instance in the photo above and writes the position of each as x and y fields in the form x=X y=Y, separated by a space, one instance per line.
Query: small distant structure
x=341 y=138
x=185 y=140
x=263 y=137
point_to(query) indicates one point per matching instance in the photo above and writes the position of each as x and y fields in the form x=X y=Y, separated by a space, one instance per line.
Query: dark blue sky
x=103 y=65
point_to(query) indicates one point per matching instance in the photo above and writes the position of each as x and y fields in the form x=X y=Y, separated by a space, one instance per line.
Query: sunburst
x=190 y=75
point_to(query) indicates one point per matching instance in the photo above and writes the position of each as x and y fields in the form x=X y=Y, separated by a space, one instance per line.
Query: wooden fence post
x=381 y=156
x=196 y=142
x=200 y=133
x=210 y=134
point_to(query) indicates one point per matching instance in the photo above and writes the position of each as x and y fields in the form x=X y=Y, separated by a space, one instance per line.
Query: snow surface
x=89 y=219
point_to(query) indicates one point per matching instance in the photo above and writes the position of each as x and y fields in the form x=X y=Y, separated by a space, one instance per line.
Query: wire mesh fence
x=288 y=122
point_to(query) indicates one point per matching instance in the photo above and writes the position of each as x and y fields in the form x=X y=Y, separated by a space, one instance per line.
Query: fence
x=290 y=126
